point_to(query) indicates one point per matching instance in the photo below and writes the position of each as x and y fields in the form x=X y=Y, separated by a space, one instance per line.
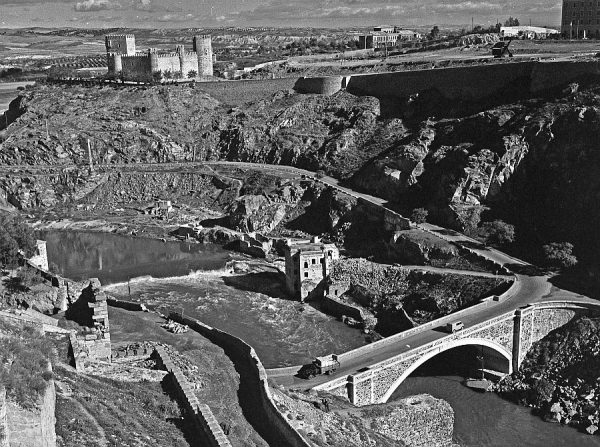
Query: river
x=192 y=278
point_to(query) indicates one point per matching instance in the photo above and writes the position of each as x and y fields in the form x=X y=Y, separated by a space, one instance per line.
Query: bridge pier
x=361 y=389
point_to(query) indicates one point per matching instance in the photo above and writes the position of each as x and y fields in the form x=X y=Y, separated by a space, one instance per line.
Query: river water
x=192 y=278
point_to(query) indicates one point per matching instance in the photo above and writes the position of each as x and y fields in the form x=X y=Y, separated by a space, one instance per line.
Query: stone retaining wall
x=473 y=83
x=204 y=418
x=32 y=427
x=4 y=434
x=245 y=352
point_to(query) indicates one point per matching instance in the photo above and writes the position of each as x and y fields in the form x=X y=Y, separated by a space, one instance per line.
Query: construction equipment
x=321 y=365
x=501 y=48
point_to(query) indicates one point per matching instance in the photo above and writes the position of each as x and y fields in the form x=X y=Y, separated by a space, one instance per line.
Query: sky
x=283 y=13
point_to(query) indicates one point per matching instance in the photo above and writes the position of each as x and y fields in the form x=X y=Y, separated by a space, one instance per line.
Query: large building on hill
x=129 y=64
x=580 y=19
x=386 y=36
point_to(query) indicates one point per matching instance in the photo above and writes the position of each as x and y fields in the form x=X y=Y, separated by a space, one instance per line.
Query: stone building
x=386 y=36
x=580 y=19
x=307 y=264
x=129 y=64
x=40 y=258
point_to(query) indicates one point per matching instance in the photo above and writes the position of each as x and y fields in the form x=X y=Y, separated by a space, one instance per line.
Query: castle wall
x=189 y=62
x=136 y=68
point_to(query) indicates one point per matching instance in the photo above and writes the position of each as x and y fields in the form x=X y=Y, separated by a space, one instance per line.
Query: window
x=335 y=292
x=306 y=274
x=314 y=261
x=329 y=254
x=322 y=260
x=305 y=264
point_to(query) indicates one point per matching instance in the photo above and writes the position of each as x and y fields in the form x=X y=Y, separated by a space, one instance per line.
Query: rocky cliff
x=532 y=162
x=559 y=376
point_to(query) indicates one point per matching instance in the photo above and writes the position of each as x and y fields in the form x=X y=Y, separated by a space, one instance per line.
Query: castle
x=124 y=61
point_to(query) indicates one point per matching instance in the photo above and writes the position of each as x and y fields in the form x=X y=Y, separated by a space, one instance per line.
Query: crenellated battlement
x=120 y=36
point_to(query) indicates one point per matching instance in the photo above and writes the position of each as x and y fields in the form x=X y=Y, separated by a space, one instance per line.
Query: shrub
x=559 y=254
x=419 y=215
x=497 y=232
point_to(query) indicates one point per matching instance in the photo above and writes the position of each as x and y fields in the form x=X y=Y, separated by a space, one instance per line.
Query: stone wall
x=210 y=430
x=245 y=353
x=473 y=83
x=338 y=308
x=4 y=435
x=327 y=85
x=32 y=427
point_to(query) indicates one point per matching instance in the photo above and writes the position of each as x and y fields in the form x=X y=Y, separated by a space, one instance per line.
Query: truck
x=320 y=365
x=455 y=327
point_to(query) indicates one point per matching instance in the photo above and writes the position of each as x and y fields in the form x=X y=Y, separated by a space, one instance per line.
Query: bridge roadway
x=527 y=289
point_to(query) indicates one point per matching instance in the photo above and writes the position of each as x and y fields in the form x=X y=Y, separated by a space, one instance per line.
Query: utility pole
x=472 y=23
x=90 y=155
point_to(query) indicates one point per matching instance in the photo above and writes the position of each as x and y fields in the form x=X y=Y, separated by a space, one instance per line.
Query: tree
x=469 y=218
x=177 y=75
x=498 y=232
x=512 y=21
x=435 y=32
x=167 y=74
x=157 y=76
x=192 y=74
x=419 y=215
x=15 y=236
x=559 y=254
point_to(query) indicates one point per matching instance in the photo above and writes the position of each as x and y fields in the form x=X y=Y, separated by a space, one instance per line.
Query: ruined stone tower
x=203 y=48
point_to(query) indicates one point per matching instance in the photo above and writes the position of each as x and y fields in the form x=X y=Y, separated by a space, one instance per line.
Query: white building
x=527 y=32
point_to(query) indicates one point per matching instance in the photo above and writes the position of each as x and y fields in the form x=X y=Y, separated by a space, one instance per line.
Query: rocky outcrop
x=328 y=420
x=256 y=213
x=418 y=421
x=559 y=376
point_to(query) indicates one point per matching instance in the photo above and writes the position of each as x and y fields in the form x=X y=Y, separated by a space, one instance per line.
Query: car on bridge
x=321 y=365
x=455 y=327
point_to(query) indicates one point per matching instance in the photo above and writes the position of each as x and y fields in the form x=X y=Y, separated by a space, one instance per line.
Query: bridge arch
x=446 y=347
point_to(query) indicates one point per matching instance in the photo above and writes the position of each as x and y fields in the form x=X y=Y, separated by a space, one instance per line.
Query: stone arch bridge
x=505 y=339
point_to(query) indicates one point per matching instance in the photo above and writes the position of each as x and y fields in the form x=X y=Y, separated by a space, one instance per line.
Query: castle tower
x=153 y=58
x=120 y=44
x=180 y=50
x=115 y=63
x=203 y=48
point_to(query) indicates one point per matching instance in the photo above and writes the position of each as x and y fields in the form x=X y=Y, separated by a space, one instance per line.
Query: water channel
x=192 y=278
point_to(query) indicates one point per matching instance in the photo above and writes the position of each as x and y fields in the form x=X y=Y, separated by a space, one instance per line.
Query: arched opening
x=464 y=357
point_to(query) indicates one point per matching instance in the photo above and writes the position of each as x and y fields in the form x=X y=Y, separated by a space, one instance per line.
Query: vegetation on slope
x=24 y=361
